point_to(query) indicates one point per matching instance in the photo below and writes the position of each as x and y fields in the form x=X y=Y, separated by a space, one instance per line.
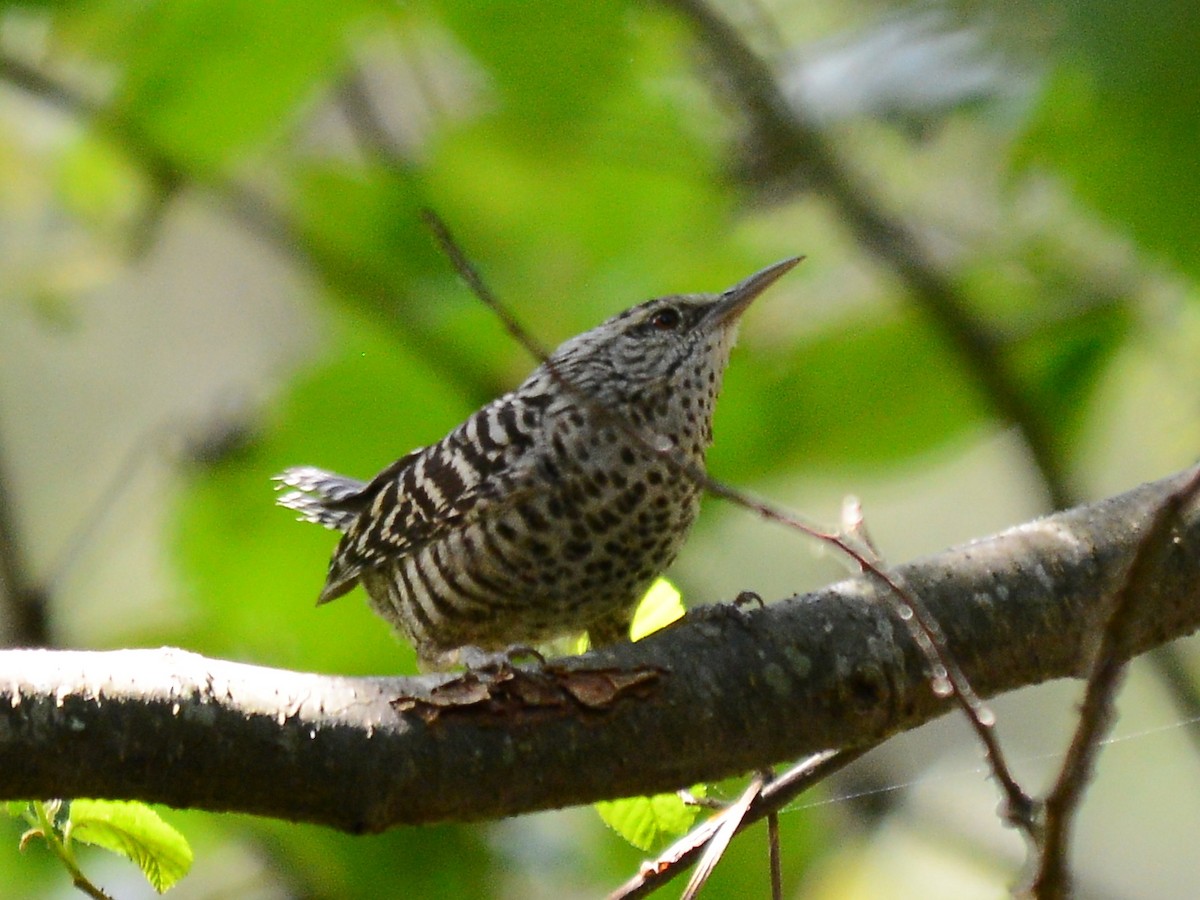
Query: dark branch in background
x=23 y=603
x=264 y=219
x=1097 y=712
x=797 y=149
x=368 y=126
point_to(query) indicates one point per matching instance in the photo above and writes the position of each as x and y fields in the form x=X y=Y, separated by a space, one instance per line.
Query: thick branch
x=722 y=693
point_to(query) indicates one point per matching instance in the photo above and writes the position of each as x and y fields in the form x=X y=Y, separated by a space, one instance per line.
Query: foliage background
x=211 y=267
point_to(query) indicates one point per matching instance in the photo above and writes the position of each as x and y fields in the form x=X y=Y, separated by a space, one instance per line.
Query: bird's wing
x=489 y=461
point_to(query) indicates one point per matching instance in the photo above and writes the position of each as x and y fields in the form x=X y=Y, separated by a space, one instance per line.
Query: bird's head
x=669 y=344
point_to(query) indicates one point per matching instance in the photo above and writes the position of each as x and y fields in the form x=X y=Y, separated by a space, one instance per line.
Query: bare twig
x=1052 y=879
x=773 y=797
x=775 y=855
x=728 y=823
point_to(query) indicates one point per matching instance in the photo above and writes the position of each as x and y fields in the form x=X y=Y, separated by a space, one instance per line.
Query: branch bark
x=724 y=692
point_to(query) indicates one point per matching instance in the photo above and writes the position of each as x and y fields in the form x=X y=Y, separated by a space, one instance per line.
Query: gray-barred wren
x=549 y=510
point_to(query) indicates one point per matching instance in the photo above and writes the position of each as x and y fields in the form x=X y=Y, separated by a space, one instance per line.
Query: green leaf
x=647 y=822
x=661 y=606
x=135 y=831
x=16 y=808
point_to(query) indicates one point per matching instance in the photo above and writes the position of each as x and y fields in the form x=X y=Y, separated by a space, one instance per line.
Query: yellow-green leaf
x=136 y=831
x=661 y=606
x=646 y=822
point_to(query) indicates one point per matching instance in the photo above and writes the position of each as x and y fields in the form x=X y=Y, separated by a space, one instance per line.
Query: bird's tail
x=322 y=497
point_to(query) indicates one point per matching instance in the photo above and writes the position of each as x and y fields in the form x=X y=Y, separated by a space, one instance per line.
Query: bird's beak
x=733 y=302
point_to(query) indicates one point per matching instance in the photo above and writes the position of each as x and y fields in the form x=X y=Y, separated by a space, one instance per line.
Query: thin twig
x=946 y=676
x=773 y=797
x=728 y=823
x=1052 y=879
x=775 y=856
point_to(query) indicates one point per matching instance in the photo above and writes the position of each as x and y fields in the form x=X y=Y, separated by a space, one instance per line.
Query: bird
x=552 y=509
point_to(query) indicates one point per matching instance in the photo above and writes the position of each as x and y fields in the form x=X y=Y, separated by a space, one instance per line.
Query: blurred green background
x=211 y=267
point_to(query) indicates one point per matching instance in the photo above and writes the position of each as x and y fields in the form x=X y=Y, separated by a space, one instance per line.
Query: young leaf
x=135 y=831
x=647 y=821
x=661 y=606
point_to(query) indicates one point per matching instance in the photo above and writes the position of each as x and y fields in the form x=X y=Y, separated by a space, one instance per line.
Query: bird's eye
x=666 y=319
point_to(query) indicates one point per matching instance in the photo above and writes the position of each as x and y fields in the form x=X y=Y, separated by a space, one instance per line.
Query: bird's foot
x=745 y=598
x=737 y=609
x=479 y=660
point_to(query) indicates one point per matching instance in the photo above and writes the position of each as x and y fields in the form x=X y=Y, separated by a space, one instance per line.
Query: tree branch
x=725 y=692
